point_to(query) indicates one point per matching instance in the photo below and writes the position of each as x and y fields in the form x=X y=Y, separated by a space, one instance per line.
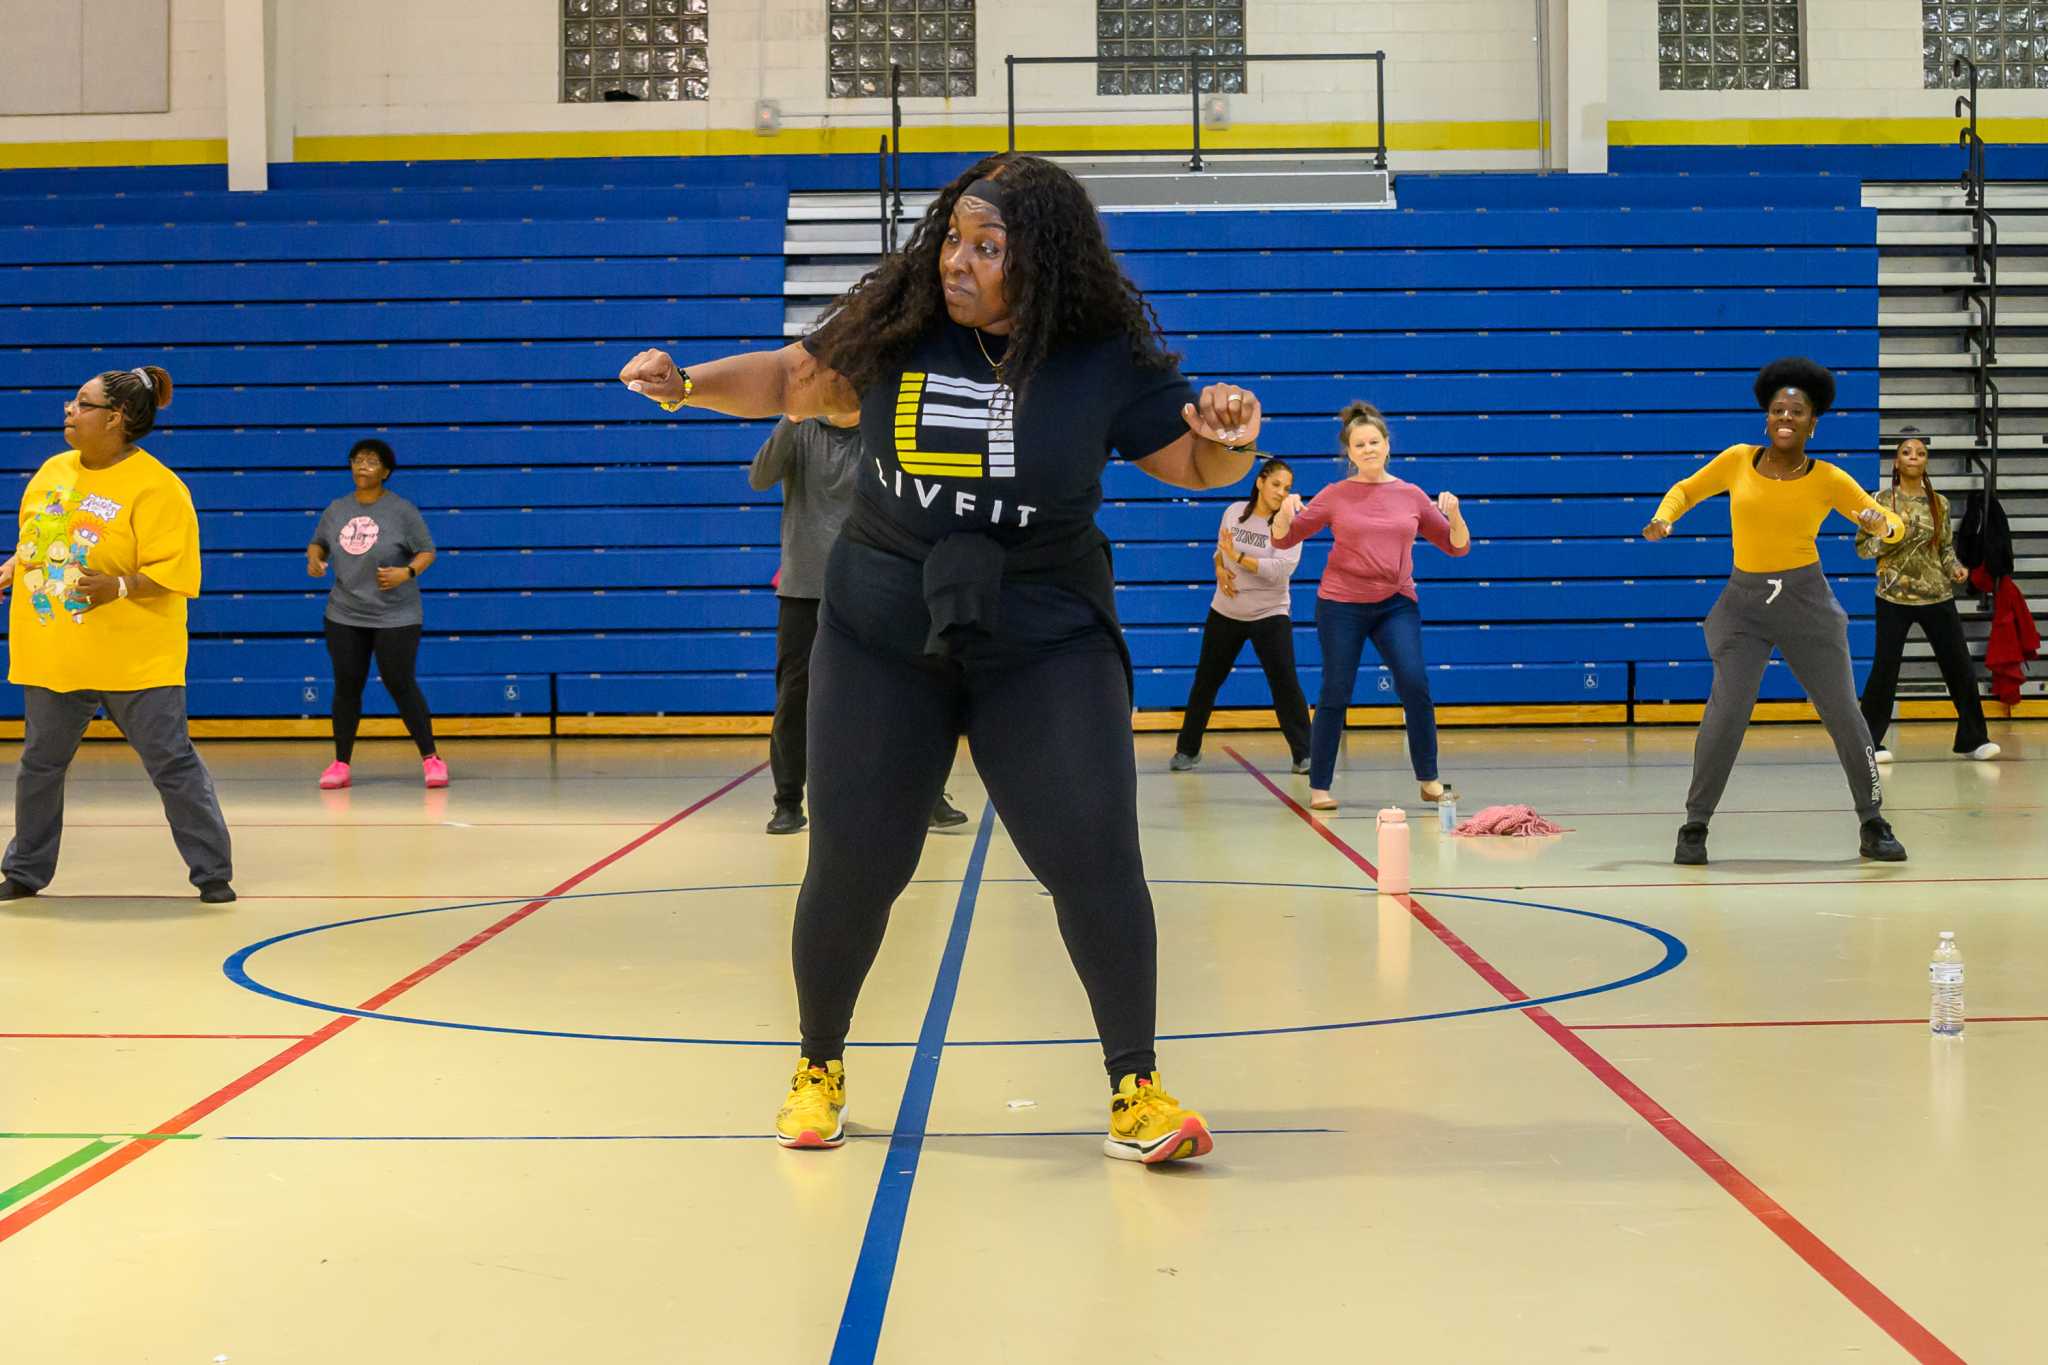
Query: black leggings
x=1051 y=738
x=1942 y=624
x=1223 y=640
x=395 y=648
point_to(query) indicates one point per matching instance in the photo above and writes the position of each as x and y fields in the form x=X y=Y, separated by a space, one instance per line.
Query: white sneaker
x=1985 y=752
x=1884 y=755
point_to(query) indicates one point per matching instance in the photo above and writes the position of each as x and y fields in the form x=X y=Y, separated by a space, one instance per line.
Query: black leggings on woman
x=1942 y=624
x=395 y=649
x=1048 y=720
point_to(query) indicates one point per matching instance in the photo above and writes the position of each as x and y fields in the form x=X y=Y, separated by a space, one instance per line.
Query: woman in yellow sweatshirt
x=108 y=557
x=1778 y=496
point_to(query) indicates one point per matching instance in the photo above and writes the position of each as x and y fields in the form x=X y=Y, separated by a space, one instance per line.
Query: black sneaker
x=1301 y=766
x=216 y=893
x=786 y=820
x=944 y=815
x=1692 y=845
x=1877 y=842
x=12 y=890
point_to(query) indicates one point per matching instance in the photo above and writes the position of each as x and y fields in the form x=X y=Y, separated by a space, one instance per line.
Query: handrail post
x=1194 y=112
x=1010 y=73
x=896 y=141
x=1379 y=162
x=882 y=179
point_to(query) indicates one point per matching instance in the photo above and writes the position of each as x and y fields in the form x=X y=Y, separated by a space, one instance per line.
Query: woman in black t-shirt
x=996 y=364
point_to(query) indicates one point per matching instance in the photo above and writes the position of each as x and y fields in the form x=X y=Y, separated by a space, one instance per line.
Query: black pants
x=1048 y=720
x=1942 y=624
x=395 y=648
x=1223 y=639
x=796 y=627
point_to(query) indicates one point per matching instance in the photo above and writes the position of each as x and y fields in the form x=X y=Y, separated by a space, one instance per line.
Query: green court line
x=101 y=1133
x=49 y=1175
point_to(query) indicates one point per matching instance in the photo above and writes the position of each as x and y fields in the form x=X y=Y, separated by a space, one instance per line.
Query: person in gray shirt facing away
x=816 y=462
x=379 y=546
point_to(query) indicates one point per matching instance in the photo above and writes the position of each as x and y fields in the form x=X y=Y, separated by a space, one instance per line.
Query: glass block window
x=932 y=40
x=1729 y=45
x=1145 y=35
x=2008 y=42
x=649 y=49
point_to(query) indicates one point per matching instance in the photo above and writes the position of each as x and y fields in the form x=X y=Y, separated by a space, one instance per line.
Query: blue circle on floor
x=236 y=968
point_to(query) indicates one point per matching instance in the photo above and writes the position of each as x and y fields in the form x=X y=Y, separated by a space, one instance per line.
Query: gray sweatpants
x=153 y=721
x=1797 y=612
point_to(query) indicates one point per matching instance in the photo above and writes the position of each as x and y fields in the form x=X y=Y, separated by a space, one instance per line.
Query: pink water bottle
x=1393 y=851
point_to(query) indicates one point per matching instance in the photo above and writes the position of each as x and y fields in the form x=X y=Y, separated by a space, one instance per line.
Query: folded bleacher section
x=477 y=327
x=1556 y=350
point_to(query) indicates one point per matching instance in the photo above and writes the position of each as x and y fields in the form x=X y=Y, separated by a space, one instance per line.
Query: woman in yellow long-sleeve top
x=1778 y=496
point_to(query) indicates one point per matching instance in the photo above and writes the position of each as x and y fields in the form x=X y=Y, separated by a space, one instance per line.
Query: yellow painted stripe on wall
x=1510 y=135
x=1439 y=136
x=1802 y=132
x=196 y=151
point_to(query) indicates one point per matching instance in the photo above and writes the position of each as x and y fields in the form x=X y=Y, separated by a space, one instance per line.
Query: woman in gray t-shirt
x=379 y=546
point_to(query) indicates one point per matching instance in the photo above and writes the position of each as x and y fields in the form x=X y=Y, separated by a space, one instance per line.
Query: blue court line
x=867 y=1298
x=708 y=1137
x=1675 y=952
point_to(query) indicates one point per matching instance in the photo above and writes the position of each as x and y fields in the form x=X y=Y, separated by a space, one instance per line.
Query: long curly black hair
x=1816 y=381
x=1062 y=283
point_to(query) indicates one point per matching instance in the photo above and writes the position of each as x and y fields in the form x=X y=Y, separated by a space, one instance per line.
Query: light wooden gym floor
x=484 y=1075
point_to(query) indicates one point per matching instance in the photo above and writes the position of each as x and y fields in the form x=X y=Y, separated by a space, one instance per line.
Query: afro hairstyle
x=1817 y=382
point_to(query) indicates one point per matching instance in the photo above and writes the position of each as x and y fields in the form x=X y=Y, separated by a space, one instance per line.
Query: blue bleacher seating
x=1557 y=350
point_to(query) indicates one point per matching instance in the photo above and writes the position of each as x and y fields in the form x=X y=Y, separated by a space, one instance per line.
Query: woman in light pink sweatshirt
x=1368 y=591
x=1251 y=603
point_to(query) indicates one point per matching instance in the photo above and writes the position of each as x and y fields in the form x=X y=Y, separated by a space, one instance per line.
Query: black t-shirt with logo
x=950 y=449
x=946 y=449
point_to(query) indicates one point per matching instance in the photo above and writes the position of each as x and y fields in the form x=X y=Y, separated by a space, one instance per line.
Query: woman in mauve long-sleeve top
x=1778 y=496
x=1368 y=592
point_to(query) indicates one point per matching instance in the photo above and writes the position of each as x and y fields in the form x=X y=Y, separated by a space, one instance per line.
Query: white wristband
x=121 y=585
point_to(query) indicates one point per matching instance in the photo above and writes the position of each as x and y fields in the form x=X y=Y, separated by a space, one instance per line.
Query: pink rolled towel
x=1518 y=821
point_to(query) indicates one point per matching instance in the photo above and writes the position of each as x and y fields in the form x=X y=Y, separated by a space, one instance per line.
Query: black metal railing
x=1981 y=295
x=883 y=221
x=1191 y=65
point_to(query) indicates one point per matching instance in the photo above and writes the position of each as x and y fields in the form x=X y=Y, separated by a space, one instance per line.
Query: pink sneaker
x=335 y=776
x=436 y=771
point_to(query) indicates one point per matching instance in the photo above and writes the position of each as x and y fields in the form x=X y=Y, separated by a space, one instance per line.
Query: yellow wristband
x=689 y=387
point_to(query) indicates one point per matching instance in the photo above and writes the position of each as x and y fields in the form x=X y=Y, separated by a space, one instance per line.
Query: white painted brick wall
x=1863 y=61
x=435 y=66
x=198 y=93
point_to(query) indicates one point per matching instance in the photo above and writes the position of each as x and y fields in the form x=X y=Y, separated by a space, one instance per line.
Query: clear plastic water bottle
x=1447 y=811
x=1945 y=977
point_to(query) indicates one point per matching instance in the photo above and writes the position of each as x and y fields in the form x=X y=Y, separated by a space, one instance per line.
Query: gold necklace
x=993 y=363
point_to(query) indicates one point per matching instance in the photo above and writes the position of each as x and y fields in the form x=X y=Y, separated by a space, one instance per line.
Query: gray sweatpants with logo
x=153 y=721
x=1796 y=612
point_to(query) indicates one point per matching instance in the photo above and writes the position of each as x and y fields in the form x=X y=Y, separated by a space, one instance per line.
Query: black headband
x=989 y=192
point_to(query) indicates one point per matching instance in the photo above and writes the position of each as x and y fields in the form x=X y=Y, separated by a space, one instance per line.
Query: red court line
x=57 y=1196
x=1811 y=1023
x=152 y=1035
x=1893 y=1320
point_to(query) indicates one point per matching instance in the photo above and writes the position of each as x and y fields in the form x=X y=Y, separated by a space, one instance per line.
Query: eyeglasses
x=81 y=403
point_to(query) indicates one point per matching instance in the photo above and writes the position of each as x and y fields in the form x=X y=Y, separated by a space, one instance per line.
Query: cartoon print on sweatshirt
x=56 y=548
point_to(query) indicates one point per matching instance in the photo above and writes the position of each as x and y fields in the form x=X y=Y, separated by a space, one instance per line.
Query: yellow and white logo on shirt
x=932 y=410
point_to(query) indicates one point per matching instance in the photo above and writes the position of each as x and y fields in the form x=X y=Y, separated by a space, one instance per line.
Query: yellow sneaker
x=1147 y=1124
x=814 y=1115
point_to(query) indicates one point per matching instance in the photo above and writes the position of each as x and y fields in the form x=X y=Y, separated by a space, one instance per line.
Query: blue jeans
x=1395 y=628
